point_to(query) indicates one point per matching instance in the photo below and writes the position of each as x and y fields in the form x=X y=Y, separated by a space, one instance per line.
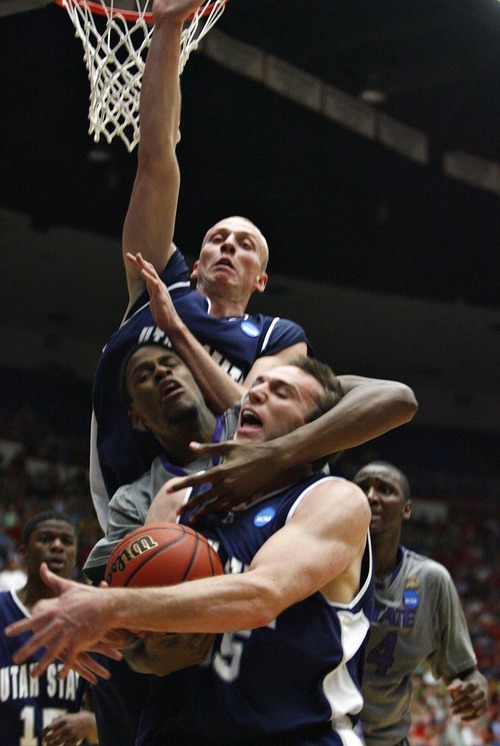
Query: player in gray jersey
x=163 y=397
x=417 y=619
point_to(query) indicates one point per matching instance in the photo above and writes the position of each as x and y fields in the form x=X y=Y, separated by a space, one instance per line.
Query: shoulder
x=127 y=493
x=276 y=325
x=346 y=502
x=3 y=599
x=230 y=421
x=434 y=573
x=10 y=608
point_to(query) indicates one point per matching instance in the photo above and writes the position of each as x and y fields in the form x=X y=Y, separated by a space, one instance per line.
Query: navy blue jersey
x=118 y=454
x=296 y=680
x=27 y=705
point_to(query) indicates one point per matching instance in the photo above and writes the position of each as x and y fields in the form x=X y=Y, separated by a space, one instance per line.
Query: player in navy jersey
x=417 y=619
x=32 y=710
x=224 y=347
x=208 y=326
x=162 y=395
x=291 y=611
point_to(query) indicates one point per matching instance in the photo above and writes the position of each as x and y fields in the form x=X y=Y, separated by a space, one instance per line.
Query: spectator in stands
x=13 y=574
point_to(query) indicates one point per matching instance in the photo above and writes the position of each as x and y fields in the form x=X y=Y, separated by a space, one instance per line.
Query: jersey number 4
x=382 y=655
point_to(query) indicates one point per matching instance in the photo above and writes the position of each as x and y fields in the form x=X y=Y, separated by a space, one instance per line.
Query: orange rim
x=129 y=15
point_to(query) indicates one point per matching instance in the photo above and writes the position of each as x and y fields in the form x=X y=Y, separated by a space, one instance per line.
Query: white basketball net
x=115 y=52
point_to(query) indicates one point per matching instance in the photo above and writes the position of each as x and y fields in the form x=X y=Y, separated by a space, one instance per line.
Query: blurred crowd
x=43 y=464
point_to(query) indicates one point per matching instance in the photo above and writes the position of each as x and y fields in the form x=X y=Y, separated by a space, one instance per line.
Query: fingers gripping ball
x=161 y=554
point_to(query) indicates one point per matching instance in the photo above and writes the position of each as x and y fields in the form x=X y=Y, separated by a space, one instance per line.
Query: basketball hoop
x=115 y=42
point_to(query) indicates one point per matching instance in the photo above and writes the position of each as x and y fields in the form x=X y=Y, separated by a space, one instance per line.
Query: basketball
x=161 y=554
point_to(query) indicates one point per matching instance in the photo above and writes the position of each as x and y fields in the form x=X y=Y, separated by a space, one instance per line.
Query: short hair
x=402 y=478
x=263 y=245
x=47 y=515
x=326 y=401
x=122 y=381
x=326 y=377
x=261 y=238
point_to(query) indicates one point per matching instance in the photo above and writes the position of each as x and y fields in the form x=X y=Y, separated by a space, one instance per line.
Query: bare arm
x=469 y=695
x=219 y=389
x=369 y=408
x=150 y=219
x=324 y=539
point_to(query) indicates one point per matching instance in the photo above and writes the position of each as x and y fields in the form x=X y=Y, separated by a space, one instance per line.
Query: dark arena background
x=363 y=139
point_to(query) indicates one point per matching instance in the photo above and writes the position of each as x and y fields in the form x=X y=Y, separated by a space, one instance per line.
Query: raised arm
x=369 y=408
x=150 y=219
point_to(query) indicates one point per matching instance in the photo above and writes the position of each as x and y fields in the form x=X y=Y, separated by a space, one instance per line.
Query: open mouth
x=249 y=419
x=224 y=263
x=55 y=564
x=169 y=387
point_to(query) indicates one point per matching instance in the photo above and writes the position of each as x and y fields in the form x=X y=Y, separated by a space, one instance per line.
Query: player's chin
x=254 y=434
x=59 y=568
x=376 y=526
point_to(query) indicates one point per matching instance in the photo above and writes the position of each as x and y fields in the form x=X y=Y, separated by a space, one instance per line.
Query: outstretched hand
x=248 y=471
x=162 y=308
x=67 y=627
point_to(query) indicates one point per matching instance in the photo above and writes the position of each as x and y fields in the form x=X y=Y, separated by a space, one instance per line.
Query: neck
x=32 y=592
x=385 y=554
x=223 y=307
x=176 y=441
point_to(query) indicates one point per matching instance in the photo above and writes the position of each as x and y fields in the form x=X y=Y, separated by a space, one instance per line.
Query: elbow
x=267 y=604
x=408 y=402
x=403 y=403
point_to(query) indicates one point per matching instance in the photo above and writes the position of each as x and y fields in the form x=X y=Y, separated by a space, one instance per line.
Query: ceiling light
x=373 y=96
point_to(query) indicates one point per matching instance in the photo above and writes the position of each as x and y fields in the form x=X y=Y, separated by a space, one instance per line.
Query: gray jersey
x=129 y=505
x=417 y=619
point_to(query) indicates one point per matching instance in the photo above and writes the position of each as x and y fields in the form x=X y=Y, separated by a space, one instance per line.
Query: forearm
x=219 y=389
x=150 y=220
x=219 y=604
x=476 y=677
x=160 y=96
x=368 y=409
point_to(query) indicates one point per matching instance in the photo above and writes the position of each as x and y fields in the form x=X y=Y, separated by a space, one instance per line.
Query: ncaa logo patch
x=264 y=516
x=249 y=329
x=410 y=599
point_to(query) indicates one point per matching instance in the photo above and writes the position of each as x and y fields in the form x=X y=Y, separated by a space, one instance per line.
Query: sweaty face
x=278 y=402
x=161 y=387
x=53 y=542
x=385 y=494
x=231 y=259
